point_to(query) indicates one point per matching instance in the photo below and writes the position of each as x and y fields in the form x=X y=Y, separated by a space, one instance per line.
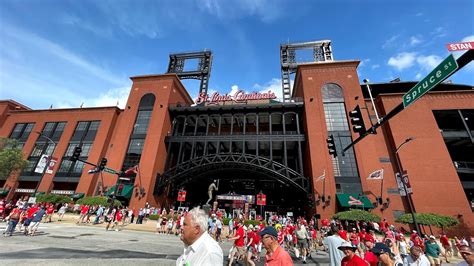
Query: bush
x=356 y=215
x=437 y=220
x=52 y=198
x=98 y=200
x=154 y=217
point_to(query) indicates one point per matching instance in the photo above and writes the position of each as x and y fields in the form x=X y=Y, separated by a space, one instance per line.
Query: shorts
x=433 y=260
x=302 y=243
x=239 y=250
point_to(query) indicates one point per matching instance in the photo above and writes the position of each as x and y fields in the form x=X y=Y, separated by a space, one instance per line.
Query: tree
x=356 y=215
x=11 y=157
x=52 y=198
x=98 y=201
x=433 y=219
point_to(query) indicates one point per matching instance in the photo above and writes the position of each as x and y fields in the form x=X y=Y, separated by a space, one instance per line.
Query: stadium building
x=164 y=142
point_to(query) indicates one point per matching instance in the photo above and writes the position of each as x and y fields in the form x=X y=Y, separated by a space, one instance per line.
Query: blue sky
x=66 y=53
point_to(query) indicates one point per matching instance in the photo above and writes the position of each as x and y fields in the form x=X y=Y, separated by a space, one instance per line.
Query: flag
x=132 y=170
x=321 y=177
x=377 y=174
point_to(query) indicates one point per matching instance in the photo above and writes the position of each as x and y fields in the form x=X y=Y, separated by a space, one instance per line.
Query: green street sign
x=443 y=70
x=110 y=171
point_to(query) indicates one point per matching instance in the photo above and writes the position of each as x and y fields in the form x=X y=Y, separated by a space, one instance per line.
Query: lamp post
x=400 y=170
x=47 y=161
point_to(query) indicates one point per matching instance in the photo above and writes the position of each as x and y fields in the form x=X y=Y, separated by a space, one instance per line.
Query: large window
x=83 y=136
x=344 y=167
x=51 y=132
x=21 y=132
x=140 y=129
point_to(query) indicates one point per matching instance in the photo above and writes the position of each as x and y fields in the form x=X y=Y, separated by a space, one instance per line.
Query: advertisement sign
x=41 y=164
x=400 y=182
x=261 y=199
x=238 y=97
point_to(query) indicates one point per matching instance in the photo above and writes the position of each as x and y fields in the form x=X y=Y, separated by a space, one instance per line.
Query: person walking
x=37 y=218
x=13 y=218
x=199 y=247
x=466 y=253
x=332 y=243
x=62 y=211
x=302 y=238
x=276 y=255
x=350 y=258
x=432 y=251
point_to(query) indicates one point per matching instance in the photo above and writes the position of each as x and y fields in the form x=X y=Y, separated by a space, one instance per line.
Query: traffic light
x=76 y=153
x=102 y=164
x=331 y=146
x=357 y=121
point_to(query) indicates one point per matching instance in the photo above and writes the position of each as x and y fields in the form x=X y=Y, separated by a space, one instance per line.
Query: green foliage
x=52 y=198
x=154 y=217
x=251 y=222
x=11 y=157
x=98 y=200
x=356 y=215
x=433 y=219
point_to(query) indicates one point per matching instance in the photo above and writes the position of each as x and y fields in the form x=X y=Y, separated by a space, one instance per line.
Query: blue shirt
x=38 y=216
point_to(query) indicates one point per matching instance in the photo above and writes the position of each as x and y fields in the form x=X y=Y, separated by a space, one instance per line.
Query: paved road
x=69 y=244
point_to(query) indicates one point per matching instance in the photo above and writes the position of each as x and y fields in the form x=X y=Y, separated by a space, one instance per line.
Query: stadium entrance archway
x=238 y=174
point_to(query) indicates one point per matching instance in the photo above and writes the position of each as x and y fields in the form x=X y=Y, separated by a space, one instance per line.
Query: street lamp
x=400 y=170
x=48 y=160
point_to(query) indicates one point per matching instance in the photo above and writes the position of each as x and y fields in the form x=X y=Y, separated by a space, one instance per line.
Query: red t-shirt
x=50 y=210
x=250 y=235
x=371 y=258
x=85 y=209
x=256 y=238
x=444 y=241
x=343 y=234
x=240 y=242
x=325 y=222
x=118 y=216
x=354 y=239
x=31 y=211
x=355 y=261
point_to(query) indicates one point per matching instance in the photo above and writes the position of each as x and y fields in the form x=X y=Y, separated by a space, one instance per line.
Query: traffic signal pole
x=462 y=61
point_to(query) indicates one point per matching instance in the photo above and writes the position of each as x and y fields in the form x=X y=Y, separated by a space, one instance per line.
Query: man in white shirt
x=416 y=258
x=332 y=243
x=199 y=247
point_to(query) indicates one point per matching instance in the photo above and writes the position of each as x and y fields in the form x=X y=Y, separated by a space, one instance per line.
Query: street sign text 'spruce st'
x=441 y=72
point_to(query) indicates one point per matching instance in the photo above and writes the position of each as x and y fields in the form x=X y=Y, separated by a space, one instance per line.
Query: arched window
x=332 y=92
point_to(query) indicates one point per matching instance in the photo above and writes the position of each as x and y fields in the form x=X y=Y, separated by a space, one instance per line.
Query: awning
x=354 y=201
x=77 y=196
x=4 y=192
x=127 y=191
x=110 y=191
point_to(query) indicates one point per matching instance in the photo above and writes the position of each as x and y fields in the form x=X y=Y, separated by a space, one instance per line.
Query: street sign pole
x=440 y=73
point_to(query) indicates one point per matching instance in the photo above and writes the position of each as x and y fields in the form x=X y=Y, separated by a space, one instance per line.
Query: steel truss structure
x=321 y=52
x=182 y=173
x=202 y=72
x=267 y=141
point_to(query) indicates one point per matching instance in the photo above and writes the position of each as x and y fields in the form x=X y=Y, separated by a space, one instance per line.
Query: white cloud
x=414 y=40
x=469 y=38
x=428 y=62
x=419 y=14
x=364 y=62
x=375 y=66
x=439 y=32
x=402 y=61
x=390 y=42
x=273 y=85
x=418 y=76
x=265 y=10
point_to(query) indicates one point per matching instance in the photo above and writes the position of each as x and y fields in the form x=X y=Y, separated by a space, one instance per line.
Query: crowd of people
x=356 y=243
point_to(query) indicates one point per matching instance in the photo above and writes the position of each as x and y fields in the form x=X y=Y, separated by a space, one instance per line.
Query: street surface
x=71 y=244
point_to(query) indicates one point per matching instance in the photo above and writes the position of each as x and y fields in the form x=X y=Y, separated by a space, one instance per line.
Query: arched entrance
x=238 y=174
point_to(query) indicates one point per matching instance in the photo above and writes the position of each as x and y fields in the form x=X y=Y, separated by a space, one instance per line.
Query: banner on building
x=377 y=174
x=401 y=187
x=261 y=199
x=40 y=167
x=51 y=165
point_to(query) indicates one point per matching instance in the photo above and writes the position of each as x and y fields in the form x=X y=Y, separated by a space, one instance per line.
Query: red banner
x=261 y=199
x=182 y=195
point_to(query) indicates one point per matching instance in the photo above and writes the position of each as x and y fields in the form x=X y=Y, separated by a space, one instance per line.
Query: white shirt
x=421 y=261
x=332 y=243
x=204 y=251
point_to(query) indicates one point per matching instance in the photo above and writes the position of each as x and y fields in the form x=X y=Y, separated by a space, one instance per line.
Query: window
x=21 y=132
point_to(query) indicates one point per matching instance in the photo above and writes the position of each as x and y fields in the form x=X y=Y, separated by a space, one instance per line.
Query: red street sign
x=182 y=195
x=460 y=46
